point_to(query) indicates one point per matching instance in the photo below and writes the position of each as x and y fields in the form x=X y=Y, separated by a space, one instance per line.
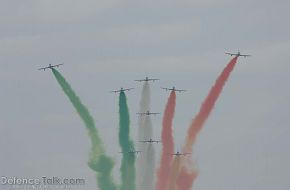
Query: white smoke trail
x=146 y=161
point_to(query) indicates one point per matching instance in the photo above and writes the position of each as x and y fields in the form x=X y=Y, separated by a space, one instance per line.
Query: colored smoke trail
x=146 y=162
x=128 y=160
x=186 y=177
x=143 y=107
x=167 y=142
x=148 y=182
x=174 y=173
x=208 y=104
x=148 y=156
x=99 y=161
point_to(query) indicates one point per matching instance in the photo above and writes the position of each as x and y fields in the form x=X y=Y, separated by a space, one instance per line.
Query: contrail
x=187 y=175
x=128 y=160
x=146 y=162
x=99 y=161
x=167 y=142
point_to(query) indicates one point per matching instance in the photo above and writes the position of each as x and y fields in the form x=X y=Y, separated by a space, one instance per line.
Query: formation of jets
x=148 y=113
x=173 y=89
x=122 y=90
x=146 y=80
x=150 y=141
x=237 y=54
x=50 y=67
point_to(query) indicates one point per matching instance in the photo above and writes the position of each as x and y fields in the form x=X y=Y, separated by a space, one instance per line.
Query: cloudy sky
x=106 y=44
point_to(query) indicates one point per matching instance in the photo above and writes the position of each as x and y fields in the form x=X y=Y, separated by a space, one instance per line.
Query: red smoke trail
x=187 y=177
x=167 y=143
x=174 y=172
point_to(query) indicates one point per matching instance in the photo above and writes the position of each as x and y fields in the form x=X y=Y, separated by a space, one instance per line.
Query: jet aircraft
x=49 y=67
x=173 y=89
x=238 y=54
x=147 y=79
x=148 y=113
x=150 y=141
x=122 y=90
x=180 y=154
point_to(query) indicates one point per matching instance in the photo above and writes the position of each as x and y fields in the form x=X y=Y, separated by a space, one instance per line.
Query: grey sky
x=108 y=44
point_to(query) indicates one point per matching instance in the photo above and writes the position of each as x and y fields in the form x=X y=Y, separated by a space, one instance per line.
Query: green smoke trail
x=128 y=160
x=99 y=162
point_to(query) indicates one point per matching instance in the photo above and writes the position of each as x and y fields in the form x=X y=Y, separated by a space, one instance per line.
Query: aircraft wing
x=115 y=91
x=153 y=79
x=128 y=89
x=180 y=90
x=245 y=55
x=165 y=88
x=231 y=54
x=154 y=113
x=43 y=68
x=57 y=65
